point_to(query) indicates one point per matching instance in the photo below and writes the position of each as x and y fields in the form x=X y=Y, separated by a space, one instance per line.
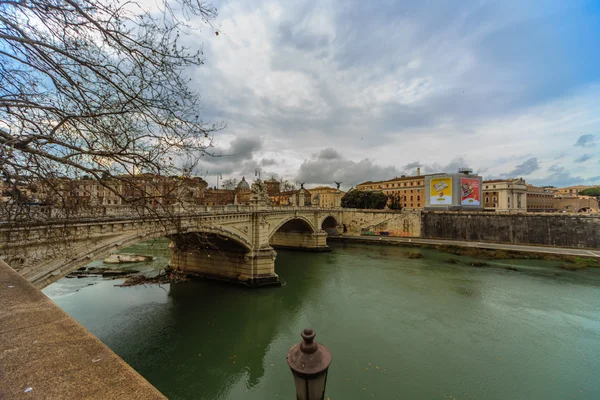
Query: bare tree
x=94 y=97
x=230 y=184
x=97 y=89
x=287 y=186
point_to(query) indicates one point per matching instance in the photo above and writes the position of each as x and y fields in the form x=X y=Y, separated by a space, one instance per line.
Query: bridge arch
x=329 y=221
x=57 y=268
x=299 y=222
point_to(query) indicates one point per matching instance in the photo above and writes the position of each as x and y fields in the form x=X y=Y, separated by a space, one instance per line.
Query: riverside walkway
x=46 y=354
x=480 y=245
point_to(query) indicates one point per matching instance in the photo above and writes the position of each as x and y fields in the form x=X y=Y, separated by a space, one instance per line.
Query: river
x=397 y=327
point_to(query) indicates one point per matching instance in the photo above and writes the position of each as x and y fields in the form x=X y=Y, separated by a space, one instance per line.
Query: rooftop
x=396 y=179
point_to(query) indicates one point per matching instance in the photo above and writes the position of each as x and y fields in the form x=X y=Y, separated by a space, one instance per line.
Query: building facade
x=409 y=190
x=324 y=196
x=297 y=198
x=507 y=195
x=540 y=199
x=142 y=189
x=570 y=190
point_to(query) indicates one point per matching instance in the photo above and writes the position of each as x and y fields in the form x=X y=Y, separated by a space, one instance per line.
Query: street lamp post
x=309 y=362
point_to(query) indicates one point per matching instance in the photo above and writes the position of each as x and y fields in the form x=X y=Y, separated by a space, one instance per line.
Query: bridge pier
x=250 y=267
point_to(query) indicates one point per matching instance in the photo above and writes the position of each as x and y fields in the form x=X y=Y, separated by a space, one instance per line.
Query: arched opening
x=295 y=225
x=329 y=225
x=298 y=233
x=210 y=243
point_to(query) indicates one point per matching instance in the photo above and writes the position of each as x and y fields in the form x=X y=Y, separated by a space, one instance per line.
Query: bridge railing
x=41 y=215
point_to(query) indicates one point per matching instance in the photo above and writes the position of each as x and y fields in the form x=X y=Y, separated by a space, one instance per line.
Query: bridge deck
x=44 y=353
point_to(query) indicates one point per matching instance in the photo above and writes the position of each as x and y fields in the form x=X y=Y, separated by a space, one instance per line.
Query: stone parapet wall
x=582 y=231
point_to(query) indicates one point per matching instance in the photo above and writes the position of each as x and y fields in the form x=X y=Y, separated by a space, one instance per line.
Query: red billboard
x=470 y=192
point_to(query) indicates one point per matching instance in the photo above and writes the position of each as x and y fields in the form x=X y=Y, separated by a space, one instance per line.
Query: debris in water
x=168 y=276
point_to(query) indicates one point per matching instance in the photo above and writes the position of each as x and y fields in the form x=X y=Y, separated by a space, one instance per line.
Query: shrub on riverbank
x=515 y=255
x=414 y=255
x=577 y=263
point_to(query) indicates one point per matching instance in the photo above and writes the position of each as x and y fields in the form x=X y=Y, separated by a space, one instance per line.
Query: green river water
x=398 y=328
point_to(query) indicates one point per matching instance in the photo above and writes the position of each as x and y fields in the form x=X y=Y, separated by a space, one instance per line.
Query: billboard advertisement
x=470 y=192
x=440 y=191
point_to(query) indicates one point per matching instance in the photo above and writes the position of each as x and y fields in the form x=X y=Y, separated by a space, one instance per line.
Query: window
x=411 y=190
x=411 y=204
x=418 y=204
x=418 y=197
x=411 y=198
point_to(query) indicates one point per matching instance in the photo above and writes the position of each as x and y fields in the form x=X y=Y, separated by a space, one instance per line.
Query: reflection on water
x=409 y=328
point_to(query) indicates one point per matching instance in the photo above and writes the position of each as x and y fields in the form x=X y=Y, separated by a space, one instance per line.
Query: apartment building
x=508 y=195
x=410 y=190
x=540 y=199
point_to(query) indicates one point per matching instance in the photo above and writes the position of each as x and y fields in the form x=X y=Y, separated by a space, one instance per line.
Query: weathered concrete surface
x=397 y=223
x=44 y=349
x=534 y=229
x=251 y=268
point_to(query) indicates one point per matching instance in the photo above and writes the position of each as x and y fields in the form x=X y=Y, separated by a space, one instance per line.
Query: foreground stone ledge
x=46 y=354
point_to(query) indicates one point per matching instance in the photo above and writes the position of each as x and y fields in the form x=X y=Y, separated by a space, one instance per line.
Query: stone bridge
x=234 y=244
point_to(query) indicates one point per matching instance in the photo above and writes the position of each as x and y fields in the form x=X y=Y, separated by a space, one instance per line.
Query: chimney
x=418 y=171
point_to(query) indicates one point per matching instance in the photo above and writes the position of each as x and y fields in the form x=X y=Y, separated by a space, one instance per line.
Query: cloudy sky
x=317 y=91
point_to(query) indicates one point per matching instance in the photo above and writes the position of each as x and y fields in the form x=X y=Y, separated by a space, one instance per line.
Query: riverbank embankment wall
x=396 y=223
x=537 y=229
x=564 y=230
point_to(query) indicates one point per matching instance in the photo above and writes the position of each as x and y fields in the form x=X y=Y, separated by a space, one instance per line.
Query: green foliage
x=395 y=203
x=595 y=191
x=362 y=199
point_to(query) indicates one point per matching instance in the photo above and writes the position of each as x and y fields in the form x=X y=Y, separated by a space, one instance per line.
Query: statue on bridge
x=260 y=196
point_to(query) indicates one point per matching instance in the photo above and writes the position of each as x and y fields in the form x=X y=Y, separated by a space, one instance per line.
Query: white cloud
x=389 y=84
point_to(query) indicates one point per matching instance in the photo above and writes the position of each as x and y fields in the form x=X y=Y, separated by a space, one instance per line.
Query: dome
x=243 y=185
